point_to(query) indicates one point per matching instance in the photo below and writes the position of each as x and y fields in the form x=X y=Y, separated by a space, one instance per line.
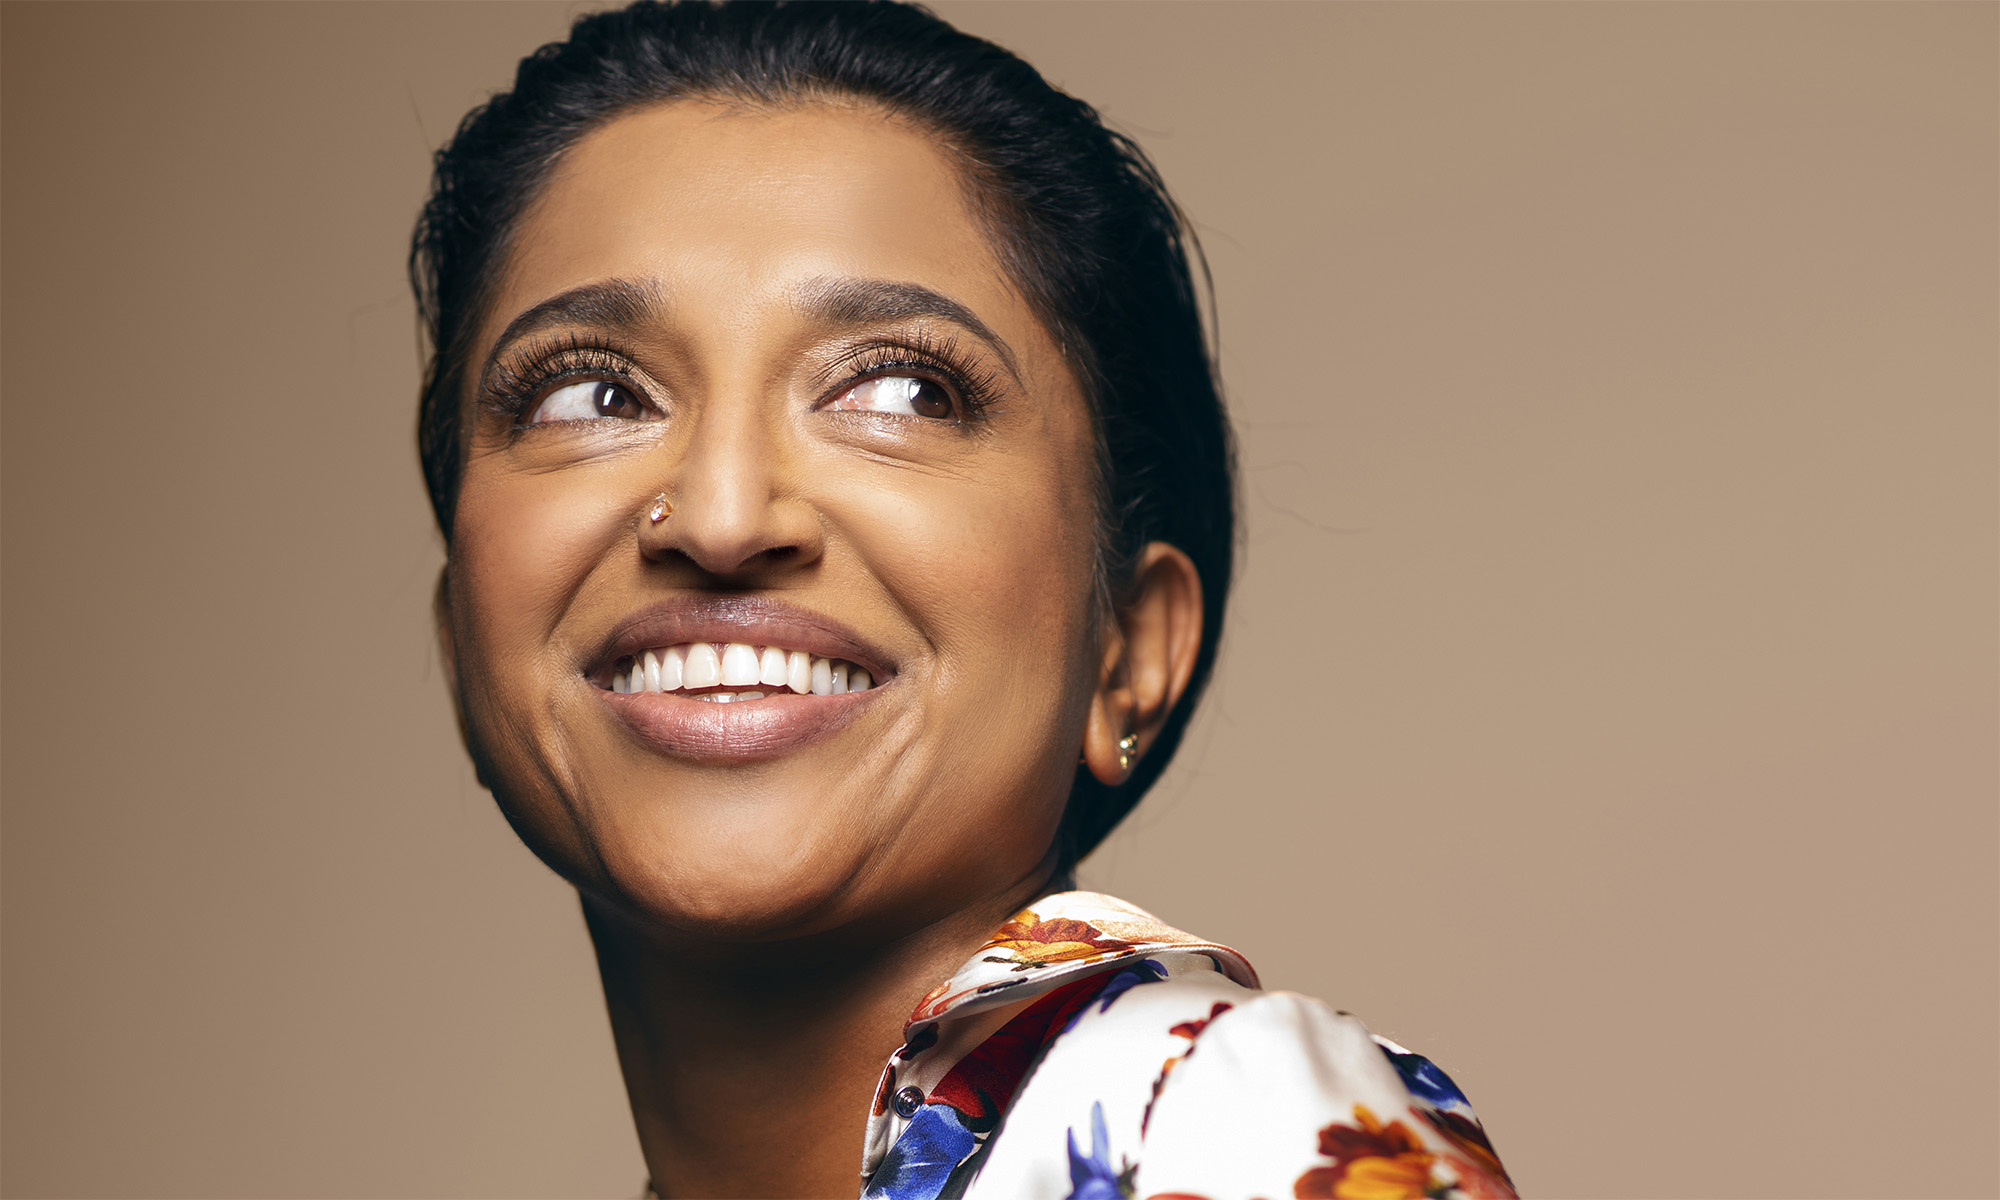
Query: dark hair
x=1077 y=214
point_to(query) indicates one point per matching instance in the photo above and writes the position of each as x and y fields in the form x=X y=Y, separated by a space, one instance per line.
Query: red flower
x=1192 y=1029
x=1189 y=1030
x=1465 y=1133
x=982 y=1083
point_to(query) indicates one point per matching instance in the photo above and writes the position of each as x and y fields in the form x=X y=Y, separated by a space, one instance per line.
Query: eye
x=905 y=394
x=588 y=401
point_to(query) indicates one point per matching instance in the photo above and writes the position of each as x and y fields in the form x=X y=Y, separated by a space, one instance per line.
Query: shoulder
x=1179 y=1080
x=1090 y=1096
x=1312 y=1104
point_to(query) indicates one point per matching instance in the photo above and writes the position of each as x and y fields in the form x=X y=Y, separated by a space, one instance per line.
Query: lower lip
x=739 y=730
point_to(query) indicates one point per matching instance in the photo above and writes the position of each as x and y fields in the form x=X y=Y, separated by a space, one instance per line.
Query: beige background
x=1609 y=709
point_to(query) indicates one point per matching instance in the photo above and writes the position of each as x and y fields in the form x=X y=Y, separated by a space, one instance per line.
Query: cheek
x=521 y=547
x=995 y=570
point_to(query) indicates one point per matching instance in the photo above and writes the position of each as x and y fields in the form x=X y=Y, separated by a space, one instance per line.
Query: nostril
x=724 y=567
x=724 y=537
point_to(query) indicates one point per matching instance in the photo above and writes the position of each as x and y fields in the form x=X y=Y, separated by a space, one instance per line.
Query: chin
x=722 y=881
x=740 y=898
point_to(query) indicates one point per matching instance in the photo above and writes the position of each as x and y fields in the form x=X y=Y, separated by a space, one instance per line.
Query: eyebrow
x=876 y=301
x=621 y=304
x=630 y=305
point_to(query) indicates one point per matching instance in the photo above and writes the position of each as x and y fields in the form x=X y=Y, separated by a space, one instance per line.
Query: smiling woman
x=839 y=512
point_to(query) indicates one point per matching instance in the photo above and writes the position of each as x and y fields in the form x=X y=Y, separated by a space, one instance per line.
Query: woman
x=838 y=502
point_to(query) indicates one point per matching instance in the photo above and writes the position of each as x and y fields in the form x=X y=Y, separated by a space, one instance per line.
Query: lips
x=735 y=677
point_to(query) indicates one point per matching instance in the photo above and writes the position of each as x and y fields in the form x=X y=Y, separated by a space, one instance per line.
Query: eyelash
x=937 y=358
x=517 y=383
x=514 y=386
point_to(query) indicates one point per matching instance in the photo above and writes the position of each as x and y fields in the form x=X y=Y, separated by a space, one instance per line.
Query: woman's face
x=789 y=324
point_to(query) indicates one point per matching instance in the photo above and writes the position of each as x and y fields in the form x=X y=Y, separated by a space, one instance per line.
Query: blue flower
x=1143 y=971
x=1094 y=1178
x=1427 y=1082
x=920 y=1162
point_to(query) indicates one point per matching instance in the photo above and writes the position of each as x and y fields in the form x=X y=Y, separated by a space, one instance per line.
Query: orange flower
x=1377 y=1161
x=1060 y=940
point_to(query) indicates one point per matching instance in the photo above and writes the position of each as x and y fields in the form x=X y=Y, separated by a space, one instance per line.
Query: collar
x=1059 y=938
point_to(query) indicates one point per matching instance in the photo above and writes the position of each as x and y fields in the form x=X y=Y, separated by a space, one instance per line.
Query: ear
x=1150 y=646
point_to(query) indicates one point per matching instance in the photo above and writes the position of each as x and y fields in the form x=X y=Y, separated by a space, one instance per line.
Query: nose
x=736 y=505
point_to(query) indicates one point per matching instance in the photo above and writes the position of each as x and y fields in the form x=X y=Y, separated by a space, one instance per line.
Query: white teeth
x=697 y=665
x=739 y=663
x=703 y=669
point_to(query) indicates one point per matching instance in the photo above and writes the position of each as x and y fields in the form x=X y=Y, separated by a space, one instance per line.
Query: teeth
x=767 y=671
x=739 y=663
x=703 y=668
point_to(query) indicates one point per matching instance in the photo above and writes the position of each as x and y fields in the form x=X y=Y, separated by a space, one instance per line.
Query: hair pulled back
x=1077 y=214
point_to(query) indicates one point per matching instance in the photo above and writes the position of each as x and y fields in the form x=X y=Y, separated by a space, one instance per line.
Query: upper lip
x=753 y=620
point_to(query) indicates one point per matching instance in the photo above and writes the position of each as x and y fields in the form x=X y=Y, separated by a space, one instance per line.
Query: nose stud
x=1126 y=745
x=661 y=510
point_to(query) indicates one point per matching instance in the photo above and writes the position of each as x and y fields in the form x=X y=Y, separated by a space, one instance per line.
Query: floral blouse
x=1089 y=1052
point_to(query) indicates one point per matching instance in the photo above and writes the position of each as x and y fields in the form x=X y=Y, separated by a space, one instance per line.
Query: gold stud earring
x=661 y=510
x=1126 y=745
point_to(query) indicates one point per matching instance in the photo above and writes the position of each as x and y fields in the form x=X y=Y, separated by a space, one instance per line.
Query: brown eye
x=905 y=394
x=588 y=401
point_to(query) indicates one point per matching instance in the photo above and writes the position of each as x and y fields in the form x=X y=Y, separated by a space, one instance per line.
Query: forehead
x=737 y=206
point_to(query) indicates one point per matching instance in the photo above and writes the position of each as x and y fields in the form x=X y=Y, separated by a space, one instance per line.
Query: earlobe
x=1148 y=659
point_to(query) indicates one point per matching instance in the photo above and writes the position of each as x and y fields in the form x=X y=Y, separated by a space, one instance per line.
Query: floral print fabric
x=1090 y=1052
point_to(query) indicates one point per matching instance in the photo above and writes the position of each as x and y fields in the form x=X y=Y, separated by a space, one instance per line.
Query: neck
x=752 y=1067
